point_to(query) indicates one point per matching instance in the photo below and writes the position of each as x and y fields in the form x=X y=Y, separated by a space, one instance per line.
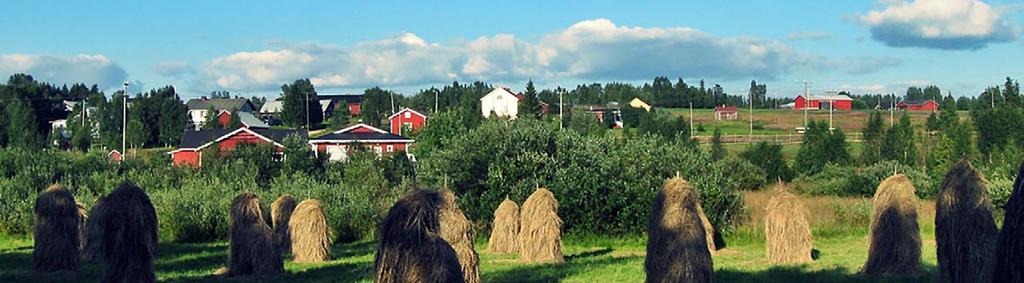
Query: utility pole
x=561 y=121
x=892 y=111
x=435 y=101
x=307 y=110
x=392 y=103
x=830 y=108
x=807 y=100
x=124 y=119
x=691 y=117
x=83 y=113
x=751 y=102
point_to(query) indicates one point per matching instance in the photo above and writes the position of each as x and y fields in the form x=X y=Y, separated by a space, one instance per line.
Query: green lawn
x=841 y=250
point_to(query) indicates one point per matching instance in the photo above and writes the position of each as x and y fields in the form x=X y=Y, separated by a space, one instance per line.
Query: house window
x=377 y=149
x=391 y=148
x=408 y=115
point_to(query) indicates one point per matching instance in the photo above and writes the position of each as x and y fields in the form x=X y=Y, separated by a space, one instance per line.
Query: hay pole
x=965 y=231
x=895 y=241
x=677 y=248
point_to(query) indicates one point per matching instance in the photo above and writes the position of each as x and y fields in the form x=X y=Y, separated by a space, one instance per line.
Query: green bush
x=862 y=181
x=768 y=157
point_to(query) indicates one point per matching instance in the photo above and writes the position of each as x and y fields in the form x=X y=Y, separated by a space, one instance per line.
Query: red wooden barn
x=407 y=119
x=193 y=142
x=926 y=105
x=361 y=136
x=838 y=102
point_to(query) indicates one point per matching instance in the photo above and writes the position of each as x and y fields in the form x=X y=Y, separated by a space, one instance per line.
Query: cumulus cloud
x=592 y=49
x=939 y=24
x=88 y=69
x=808 y=35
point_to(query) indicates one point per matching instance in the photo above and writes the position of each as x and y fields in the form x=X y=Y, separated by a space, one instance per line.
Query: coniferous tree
x=377 y=106
x=530 y=106
x=21 y=125
x=235 y=122
x=873 y=132
x=211 y=121
x=717 y=150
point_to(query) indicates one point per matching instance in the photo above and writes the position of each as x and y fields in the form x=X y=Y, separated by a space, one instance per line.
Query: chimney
x=203 y=98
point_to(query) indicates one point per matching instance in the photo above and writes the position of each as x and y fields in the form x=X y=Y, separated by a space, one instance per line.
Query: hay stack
x=458 y=231
x=895 y=247
x=253 y=250
x=129 y=240
x=787 y=232
x=505 y=229
x=93 y=246
x=310 y=235
x=280 y=212
x=677 y=243
x=56 y=231
x=964 y=229
x=1010 y=246
x=540 y=234
x=410 y=248
x=709 y=230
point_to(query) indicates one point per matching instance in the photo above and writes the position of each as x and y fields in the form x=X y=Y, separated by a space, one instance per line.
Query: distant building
x=599 y=112
x=836 y=101
x=726 y=112
x=197 y=107
x=247 y=119
x=193 y=142
x=500 y=102
x=407 y=119
x=353 y=102
x=926 y=105
x=115 y=156
x=340 y=144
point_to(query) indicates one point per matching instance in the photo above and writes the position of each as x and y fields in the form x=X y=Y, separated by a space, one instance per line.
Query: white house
x=500 y=103
x=197 y=107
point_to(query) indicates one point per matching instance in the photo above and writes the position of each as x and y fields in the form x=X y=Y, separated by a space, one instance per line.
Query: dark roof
x=218 y=103
x=195 y=139
x=362 y=136
x=349 y=98
x=918 y=102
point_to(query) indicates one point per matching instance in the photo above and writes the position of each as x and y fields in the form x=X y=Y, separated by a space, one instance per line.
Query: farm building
x=500 y=102
x=193 y=142
x=197 y=107
x=115 y=156
x=247 y=119
x=599 y=112
x=354 y=102
x=926 y=105
x=637 y=103
x=726 y=112
x=342 y=142
x=837 y=101
x=407 y=120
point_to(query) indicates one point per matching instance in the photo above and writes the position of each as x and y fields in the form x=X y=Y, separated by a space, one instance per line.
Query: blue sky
x=252 y=47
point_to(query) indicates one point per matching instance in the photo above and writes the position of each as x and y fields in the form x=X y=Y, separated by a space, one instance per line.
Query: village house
x=836 y=101
x=193 y=142
x=637 y=103
x=407 y=121
x=247 y=119
x=339 y=144
x=198 y=107
x=726 y=112
x=500 y=102
x=925 y=105
x=599 y=112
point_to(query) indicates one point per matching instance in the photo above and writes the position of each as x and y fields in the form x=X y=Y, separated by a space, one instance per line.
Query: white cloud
x=87 y=69
x=808 y=35
x=940 y=24
x=592 y=49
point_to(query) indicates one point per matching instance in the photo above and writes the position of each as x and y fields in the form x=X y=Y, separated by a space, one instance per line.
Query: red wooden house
x=927 y=105
x=407 y=119
x=247 y=119
x=361 y=136
x=837 y=101
x=726 y=112
x=193 y=142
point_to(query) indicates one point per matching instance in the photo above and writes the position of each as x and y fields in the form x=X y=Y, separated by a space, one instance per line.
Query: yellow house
x=637 y=103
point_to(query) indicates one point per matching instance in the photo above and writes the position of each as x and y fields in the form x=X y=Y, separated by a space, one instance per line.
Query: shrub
x=768 y=157
x=855 y=181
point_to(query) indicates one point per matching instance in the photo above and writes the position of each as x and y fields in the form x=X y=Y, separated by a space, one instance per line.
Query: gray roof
x=251 y=121
x=230 y=104
x=274 y=106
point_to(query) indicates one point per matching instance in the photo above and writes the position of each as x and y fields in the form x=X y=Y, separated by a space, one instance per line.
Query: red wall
x=354 y=109
x=224 y=118
x=416 y=120
x=800 y=103
x=193 y=158
x=190 y=158
x=929 y=105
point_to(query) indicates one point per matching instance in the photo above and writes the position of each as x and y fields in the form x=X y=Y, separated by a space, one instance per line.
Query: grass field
x=782 y=122
x=840 y=241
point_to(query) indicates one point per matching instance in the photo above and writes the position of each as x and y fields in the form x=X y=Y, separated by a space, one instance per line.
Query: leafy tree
x=932 y=123
x=136 y=133
x=340 y=118
x=898 y=143
x=437 y=133
x=717 y=150
x=585 y=123
x=376 y=106
x=300 y=102
x=820 y=147
x=173 y=116
x=211 y=121
x=768 y=157
x=997 y=127
x=298 y=157
x=609 y=118
x=871 y=153
x=21 y=127
x=530 y=106
x=235 y=122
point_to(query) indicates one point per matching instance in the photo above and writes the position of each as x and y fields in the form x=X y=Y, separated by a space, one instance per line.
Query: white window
x=378 y=150
x=391 y=148
x=408 y=115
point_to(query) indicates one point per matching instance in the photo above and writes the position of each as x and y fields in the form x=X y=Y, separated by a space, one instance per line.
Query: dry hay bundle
x=895 y=246
x=253 y=250
x=458 y=231
x=93 y=247
x=410 y=247
x=505 y=228
x=129 y=238
x=540 y=233
x=677 y=243
x=964 y=229
x=1010 y=246
x=787 y=232
x=280 y=213
x=56 y=231
x=310 y=235
x=709 y=230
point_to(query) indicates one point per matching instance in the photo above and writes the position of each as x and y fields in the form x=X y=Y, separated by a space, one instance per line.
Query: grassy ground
x=840 y=241
x=782 y=122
